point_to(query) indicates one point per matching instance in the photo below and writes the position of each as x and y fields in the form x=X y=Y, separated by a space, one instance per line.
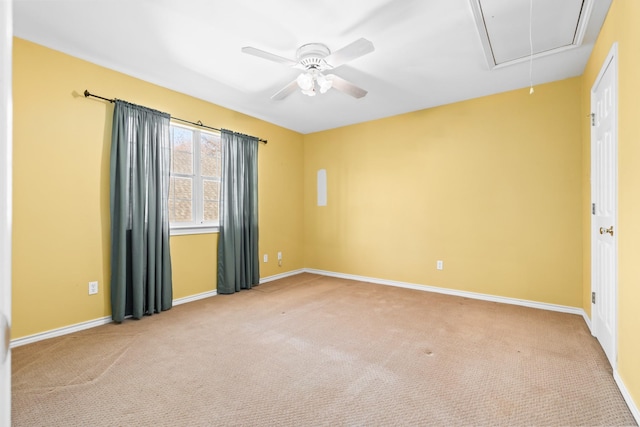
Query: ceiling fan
x=314 y=59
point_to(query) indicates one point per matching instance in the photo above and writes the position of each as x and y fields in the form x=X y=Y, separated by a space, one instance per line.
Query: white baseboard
x=627 y=397
x=465 y=294
x=104 y=320
x=60 y=331
x=281 y=276
x=65 y=330
x=587 y=320
x=195 y=297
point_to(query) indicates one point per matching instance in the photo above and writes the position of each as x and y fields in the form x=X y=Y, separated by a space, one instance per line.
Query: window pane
x=182 y=212
x=211 y=211
x=181 y=199
x=182 y=143
x=211 y=196
x=210 y=166
x=182 y=188
x=210 y=154
x=210 y=144
x=211 y=190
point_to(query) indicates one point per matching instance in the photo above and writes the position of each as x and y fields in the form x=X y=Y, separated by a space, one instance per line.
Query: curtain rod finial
x=86 y=93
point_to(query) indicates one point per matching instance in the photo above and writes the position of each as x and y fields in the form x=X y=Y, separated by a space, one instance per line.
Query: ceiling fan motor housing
x=312 y=55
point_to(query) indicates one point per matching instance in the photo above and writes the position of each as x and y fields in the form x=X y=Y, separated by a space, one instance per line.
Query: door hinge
x=593 y=297
x=593 y=208
x=593 y=119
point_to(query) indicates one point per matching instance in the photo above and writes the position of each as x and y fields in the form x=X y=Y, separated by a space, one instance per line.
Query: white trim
x=60 y=331
x=627 y=396
x=587 y=320
x=65 y=330
x=473 y=295
x=478 y=18
x=6 y=162
x=193 y=229
x=465 y=294
x=281 y=276
x=583 y=22
x=195 y=297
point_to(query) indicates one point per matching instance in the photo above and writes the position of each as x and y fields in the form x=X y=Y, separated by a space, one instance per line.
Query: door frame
x=6 y=159
x=610 y=61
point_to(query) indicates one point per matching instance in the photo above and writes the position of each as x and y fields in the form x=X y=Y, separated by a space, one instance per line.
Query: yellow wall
x=61 y=188
x=621 y=26
x=496 y=187
x=491 y=186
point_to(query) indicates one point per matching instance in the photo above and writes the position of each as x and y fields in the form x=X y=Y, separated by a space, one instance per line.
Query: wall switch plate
x=93 y=288
x=279 y=256
x=439 y=265
x=265 y=258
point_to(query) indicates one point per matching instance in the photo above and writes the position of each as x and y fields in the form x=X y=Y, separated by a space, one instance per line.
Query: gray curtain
x=238 y=259
x=140 y=259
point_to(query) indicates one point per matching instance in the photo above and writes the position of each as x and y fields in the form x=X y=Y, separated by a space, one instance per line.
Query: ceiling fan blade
x=351 y=51
x=269 y=56
x=345 y=86
x=285 y=91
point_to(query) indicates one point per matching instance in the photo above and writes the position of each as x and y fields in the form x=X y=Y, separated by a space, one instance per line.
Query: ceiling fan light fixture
x=305 y=81
x=325 y=82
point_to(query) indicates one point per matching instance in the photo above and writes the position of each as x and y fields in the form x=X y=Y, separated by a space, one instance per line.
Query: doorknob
x=607 y=230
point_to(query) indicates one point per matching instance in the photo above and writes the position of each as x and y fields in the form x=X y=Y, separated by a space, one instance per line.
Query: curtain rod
x=198 y=123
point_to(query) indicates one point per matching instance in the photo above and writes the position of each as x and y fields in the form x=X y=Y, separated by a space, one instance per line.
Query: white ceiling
x=427 y=52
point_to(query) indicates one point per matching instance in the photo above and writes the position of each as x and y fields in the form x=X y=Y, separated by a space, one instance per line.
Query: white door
x=604 y=198
x=6 y=32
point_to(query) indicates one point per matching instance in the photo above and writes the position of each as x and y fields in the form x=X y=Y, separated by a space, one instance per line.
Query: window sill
x=193 y=229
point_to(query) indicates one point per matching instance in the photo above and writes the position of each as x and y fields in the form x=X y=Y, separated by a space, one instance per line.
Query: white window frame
x=198 y=226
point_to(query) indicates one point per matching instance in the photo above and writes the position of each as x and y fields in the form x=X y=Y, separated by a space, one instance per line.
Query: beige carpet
x=311 y=350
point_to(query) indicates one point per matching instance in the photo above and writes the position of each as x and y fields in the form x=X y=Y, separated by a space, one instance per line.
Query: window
x=194 y=190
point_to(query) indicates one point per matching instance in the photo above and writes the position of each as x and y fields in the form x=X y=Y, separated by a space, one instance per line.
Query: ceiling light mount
x=312 y=56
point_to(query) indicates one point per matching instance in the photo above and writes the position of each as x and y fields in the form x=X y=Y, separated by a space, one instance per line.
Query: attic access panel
x=503 y=26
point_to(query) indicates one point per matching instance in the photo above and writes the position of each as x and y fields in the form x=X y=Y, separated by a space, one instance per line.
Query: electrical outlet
x=93 y=288
x=265 y=258
x=439 y=265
